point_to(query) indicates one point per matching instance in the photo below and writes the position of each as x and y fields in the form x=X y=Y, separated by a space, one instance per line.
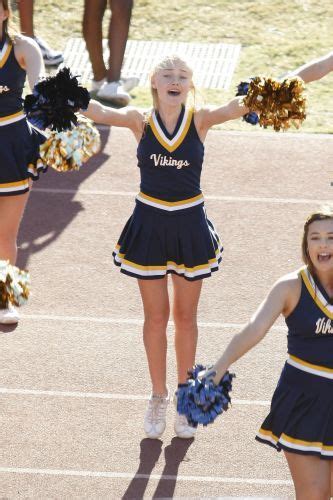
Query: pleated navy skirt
x=301 y=416
x=19 y=155
x=162 y=237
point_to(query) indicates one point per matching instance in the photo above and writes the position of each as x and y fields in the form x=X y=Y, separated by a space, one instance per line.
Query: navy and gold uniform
x=169 y=231
x=19 y=141
x=301 y=416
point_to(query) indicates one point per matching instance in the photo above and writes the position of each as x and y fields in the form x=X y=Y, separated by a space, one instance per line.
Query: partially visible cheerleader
x=20 y=163
x=316 y=69
x=300 y=421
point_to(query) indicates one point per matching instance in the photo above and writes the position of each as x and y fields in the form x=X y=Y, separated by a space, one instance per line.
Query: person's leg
x=11 y=209
x=186 y=298
x=26 y=12
x=311 y=476
x=93 y=35
x=118 y=32
x=331 y=463
x=155 y=299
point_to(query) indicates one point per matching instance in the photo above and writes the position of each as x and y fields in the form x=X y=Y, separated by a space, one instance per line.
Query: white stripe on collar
x=172 y=141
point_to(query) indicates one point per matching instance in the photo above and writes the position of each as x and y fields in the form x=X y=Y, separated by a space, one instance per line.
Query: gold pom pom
x=68 y=150
x=14 y=285
x=279 y=104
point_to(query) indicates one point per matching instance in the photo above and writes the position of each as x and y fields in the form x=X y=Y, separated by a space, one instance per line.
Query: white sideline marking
x=139 y=322
x=127 y=475
x=106 y=395
x=132 y=194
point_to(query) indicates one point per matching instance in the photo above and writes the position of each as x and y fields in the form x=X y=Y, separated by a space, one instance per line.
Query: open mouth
x=174 y=93
x=324 y=257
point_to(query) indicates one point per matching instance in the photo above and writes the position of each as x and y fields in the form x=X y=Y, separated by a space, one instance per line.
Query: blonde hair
x=166 y=63
x=325 y=213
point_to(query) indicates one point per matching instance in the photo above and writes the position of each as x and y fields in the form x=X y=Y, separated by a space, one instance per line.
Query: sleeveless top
x=171 y=164
x=12 y=78
x=310 y=325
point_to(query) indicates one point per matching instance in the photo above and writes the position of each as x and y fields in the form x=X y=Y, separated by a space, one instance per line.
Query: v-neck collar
x=179 y=134
x=317 y=292
x=163 y=127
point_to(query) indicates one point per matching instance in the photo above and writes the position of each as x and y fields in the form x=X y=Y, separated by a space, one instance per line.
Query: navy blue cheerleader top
x=171 y=164
x=310 y=325
x=12 y=79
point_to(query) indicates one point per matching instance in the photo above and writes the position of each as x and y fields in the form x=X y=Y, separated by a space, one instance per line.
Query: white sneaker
x=114 y=92
x=96 y=84
x=51 y=57
x=129 y=83
x=182 y=428
x=9 y=316
x=155 y=417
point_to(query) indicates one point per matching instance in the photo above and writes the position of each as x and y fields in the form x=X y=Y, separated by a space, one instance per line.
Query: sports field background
x=276 y=36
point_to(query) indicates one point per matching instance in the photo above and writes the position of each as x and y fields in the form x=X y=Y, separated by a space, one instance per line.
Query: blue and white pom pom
x=242 y=89
x=200 y=400
x=55 y=100
x=14 y=285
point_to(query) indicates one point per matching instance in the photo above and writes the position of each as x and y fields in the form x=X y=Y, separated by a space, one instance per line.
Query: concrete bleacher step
x=213 y=63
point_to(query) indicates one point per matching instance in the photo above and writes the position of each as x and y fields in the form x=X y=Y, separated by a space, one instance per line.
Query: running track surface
x=73 y=373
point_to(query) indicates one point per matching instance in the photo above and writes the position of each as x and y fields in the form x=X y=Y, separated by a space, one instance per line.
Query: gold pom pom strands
x=279 y=104
x=65 y=151
x=14 y=285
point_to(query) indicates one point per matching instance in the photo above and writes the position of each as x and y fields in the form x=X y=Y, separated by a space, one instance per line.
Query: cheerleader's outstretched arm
x=316 y=69
x=277 y=302
x=205 y=118
x=127 y=117
x=30 y=58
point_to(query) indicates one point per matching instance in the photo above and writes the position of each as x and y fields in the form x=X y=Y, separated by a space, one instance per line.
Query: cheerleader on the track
x=19 y=142
x=300 y=421
x=169 y=231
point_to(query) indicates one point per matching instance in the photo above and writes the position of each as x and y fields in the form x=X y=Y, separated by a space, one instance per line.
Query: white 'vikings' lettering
x=324 y=325
x=168 y=161
x=3 y=88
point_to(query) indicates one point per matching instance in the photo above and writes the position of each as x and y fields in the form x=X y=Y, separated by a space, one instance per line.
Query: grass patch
x=276 y=36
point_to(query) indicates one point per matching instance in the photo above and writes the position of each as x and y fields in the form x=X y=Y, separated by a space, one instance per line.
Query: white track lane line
x=236 y=199
x=139 y=322
x=127 y=475
x=106 y=395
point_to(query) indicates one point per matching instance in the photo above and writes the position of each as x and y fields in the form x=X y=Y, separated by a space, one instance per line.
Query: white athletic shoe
x=129 y=83
x=114 y=92
x=51 y=57
x=181 y=426
x=95 y=85
x=155 y=417
x=9 y=316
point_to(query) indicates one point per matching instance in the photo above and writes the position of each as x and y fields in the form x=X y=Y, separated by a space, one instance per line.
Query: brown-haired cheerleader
x=300 y=421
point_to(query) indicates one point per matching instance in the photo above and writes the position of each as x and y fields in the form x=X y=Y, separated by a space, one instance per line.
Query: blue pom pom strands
x=55 y=100
x=242 y=89
x=200 y=400
x=14 y=285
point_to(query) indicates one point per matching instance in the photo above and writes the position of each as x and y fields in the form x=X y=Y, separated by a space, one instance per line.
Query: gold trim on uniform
x=170 y=206
x=299 y=363
x=295 y=444
x=11 y=187
x=170 y=266
x=15 y=117
x=171 y=144
x=4 y=53
x=316 y=293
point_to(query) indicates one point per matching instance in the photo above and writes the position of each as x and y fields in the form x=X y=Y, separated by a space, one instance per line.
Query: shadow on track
x=48 y=214
x=150 y=453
